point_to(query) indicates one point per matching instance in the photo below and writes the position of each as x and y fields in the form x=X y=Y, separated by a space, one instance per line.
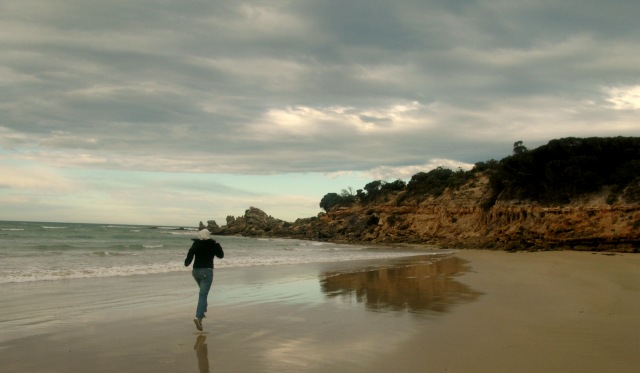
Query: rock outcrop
x=459 y=218
x=254 y=223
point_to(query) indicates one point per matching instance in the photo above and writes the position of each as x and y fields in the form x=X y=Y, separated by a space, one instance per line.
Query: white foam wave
x=34 y=274
x=121 y=226
x=177 y=229
x=182 y=233
x=64 y=274
x=112 y=253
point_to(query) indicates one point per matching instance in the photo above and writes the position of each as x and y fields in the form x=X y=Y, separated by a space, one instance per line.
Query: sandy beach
x=476 y=311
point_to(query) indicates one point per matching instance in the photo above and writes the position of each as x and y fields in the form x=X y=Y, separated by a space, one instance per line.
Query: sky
x=171 y=112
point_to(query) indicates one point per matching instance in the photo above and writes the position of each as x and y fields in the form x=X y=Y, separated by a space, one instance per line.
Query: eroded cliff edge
x=459 y=218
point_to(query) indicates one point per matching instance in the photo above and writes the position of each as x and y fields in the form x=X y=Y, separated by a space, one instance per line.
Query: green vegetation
x=434 y=182
x=422 y=184
x=550 y=174
x=372 y=191
x=565 y=168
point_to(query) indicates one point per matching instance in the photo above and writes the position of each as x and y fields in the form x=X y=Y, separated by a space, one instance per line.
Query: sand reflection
x=418 y=284
x=202 y=352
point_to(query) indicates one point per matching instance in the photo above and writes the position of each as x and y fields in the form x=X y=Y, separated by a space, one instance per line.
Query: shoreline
x=484 y=311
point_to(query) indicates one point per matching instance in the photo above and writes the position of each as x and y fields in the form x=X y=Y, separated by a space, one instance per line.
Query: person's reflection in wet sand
x=202 y=352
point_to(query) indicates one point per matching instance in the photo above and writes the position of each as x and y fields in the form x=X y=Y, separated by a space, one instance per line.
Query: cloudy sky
x=168 y=112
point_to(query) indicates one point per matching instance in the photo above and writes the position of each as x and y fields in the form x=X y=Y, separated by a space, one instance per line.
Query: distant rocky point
x=254 y=223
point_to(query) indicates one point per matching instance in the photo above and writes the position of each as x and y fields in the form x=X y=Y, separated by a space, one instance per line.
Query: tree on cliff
x=568 y=167
x=331 y=200
x=434 y=182
x=373 y=187
x=519 y=148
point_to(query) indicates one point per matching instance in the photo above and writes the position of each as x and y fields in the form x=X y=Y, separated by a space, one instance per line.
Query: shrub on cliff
x=434 y=182
x=380 y=189
x=329 y=201
x=565 y=168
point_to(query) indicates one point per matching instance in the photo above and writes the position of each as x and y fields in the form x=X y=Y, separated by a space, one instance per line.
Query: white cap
x=204 y=234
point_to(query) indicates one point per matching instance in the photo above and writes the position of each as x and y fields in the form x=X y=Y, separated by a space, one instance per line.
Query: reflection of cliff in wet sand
x=423 y=285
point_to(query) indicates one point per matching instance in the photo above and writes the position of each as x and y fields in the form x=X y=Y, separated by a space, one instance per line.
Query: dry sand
x=479 y=311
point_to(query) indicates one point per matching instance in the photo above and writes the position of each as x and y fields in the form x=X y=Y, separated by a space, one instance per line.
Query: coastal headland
x=575 y=194
x=457 y=219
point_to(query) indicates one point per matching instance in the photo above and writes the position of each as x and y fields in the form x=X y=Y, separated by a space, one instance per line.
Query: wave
x=95 y=272
x=55 y=247
x=39 y=274
x=121 y=226
x=112 y=253
x=191 y=233
x=137 y=247
x=48 y=227
x=75 y=249
x=175 y=228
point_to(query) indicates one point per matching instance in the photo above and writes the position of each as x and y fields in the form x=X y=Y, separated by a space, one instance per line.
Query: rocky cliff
x=459 y=218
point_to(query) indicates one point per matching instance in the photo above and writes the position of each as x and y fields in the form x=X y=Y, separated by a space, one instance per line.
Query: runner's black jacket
x=204 y=251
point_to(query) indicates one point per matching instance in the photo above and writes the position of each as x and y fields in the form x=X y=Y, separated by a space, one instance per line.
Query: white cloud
x=389 y=173
x=37 y=179
x=11 y=139
x=322 y=121
x=271 y=20
x=61 y=139
x=624 y=98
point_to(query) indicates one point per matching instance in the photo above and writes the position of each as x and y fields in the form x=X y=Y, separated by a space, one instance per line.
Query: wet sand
x=539 y=312
x=478 y=311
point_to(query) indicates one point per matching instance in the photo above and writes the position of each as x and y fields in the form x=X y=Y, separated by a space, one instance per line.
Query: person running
x=203 y=249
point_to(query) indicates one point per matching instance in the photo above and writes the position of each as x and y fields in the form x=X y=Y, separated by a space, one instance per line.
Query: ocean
x=40 y=251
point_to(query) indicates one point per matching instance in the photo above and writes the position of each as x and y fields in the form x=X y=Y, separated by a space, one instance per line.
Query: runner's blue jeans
x=204 y=278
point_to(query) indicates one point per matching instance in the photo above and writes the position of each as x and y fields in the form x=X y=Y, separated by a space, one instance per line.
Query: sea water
x=38 y=251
